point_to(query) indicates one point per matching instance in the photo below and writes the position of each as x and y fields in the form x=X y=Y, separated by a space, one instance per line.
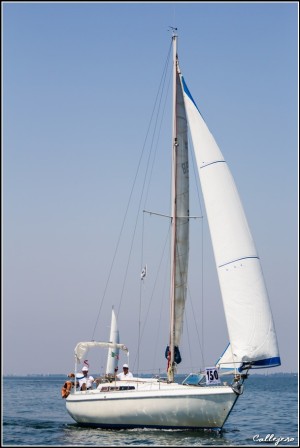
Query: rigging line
x=140 y=301
x=162 y=303
x=196 y=326
x=188 y=338
x=141 y=197
x=159 y=132
x=202 y=248
x=129 y=200
x=156 y=277
x=202 y=292
x=155 y=283
x=196 y=177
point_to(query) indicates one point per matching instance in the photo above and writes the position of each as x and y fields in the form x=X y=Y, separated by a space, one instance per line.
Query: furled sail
x=246 y=303
x=113 y=353
x=181 y=206
x=180 y=213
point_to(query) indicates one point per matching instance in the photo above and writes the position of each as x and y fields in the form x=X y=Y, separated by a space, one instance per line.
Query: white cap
x=125 y=365
x=85 y=369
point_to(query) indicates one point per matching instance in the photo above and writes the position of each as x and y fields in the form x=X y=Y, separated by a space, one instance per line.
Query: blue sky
x=79 y=84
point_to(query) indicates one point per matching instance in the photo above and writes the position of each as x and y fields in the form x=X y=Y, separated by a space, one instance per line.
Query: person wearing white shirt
x=85 y=381
x=125 y=375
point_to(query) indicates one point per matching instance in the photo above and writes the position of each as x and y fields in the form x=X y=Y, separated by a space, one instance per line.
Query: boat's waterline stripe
x=108 y=396
x=120 y=426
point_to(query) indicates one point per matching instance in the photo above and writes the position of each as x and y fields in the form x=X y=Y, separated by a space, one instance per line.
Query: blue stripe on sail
x=260 y=364
x=263 y=363
x=230 y=369
x=188 y=93
x=212 y=163
x=238 y=259
x=223 y=352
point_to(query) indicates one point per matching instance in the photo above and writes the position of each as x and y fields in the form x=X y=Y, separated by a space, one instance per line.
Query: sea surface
x=34 y=414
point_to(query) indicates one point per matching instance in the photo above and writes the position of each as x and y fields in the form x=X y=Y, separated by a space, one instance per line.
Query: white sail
x=246 y=304
x=113 y=353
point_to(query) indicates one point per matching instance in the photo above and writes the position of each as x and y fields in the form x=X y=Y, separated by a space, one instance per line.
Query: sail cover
x=82 y=347
x=246 y=303
x=181 y=213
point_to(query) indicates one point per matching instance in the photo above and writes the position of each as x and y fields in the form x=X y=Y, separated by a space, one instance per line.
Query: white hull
x=153 y=404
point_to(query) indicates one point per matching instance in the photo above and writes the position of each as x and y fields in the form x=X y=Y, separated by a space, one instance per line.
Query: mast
x=173 y=214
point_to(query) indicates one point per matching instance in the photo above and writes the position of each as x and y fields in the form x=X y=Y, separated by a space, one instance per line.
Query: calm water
x=34 y=414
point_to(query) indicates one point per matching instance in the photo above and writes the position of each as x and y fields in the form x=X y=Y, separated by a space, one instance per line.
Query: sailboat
x=202 y=400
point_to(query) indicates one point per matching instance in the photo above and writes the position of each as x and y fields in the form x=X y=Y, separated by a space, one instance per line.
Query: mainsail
x=246 y=304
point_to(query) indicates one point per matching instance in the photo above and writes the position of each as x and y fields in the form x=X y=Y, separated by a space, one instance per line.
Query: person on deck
x=86 y=382
x=125 y=375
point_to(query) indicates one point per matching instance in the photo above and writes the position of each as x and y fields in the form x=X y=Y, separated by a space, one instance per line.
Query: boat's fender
x=66 y=389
